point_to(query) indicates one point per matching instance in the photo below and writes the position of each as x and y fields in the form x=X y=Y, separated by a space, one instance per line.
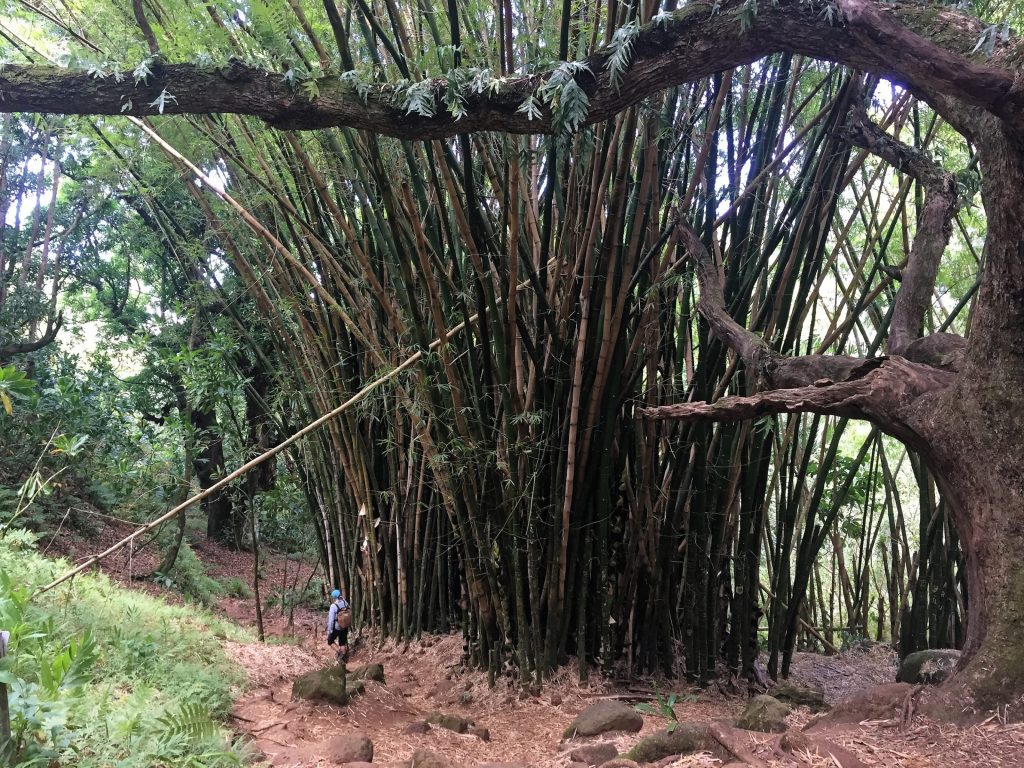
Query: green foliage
x=621 y=50
x=190 y=578
x=235 y=587
x=14 y=385
x=664 y=706
x=100 y=676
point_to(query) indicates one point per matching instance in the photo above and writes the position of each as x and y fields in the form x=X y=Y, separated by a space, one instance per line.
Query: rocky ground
x=386 y=724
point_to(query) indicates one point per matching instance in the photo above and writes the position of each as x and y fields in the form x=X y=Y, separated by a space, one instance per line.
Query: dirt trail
x=427 y=676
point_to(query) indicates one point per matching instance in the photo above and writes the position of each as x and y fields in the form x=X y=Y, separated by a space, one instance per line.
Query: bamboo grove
x=505 y=485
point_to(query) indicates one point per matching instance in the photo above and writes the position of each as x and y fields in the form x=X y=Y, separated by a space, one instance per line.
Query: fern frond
x=192 y=721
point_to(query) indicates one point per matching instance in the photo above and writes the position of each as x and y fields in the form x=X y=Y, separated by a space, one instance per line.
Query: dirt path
x=426 y=676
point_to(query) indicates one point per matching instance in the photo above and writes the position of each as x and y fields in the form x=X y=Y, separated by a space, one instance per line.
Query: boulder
x=812 y=696
x=424 y=758
x=416 y=728
x=681 y=740
x=325 y=685
x=451 y=722
x=765 y=714
x=604 y=716
x=594 y=754
x=929 y=667
x=373 y=672
x=349 y=748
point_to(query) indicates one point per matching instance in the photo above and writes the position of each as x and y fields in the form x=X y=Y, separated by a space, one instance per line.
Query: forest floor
x=428 y=676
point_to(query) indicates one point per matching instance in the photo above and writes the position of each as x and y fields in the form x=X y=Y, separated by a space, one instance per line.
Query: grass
x=101 y=676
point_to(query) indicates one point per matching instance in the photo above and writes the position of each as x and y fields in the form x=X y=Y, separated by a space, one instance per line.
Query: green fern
x=192 y=721
x=568 y=101
x=621 y=48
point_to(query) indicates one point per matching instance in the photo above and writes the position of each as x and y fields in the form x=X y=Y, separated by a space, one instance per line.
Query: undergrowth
x=102 y=676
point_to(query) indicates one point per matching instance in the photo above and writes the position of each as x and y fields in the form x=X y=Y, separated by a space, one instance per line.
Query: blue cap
x=335 y=594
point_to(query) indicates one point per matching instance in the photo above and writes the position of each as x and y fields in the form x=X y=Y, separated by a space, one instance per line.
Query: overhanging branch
x=877 y=396
x=924 y=47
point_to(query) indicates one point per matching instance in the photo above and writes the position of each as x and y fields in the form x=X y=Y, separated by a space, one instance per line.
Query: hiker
x=339 y=619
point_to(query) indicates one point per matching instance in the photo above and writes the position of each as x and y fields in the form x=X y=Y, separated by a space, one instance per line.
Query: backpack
x=343 y=620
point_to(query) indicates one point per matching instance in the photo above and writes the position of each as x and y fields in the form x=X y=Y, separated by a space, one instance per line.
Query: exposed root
x=731 y=743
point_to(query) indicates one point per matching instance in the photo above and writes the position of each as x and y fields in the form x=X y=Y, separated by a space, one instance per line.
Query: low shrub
x=102 y=676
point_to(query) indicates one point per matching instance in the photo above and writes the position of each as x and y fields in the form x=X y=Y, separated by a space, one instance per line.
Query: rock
x=481 y=733
x=765 y=714
x=373 y=672
x=325 y=685
x=684 y=738
x=928 y=667
x=594 y=754
x=441 y=690
x=812 y=696
x=349 y=748
x=424 y=758
x=795 y=741
x=556 y=700
x=604 y=716
x=418 y=727
x=451 y=722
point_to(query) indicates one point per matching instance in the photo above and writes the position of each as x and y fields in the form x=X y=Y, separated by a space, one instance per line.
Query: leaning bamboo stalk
x=408 y=363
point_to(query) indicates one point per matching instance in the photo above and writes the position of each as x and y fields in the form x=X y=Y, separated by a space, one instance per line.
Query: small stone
x=795 y=741
x=424 y=758
x=604 y=716
x=349 y=748
x=594 y=754
x=765 y=714
x=418 y=727
x=480 y=732
x=373 y=672
x=451 y=722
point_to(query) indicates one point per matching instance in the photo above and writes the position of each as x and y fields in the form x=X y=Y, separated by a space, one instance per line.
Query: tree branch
x=878 y=396
x=771 y=369
x=934 y=227
x=897 y=41
x=24 y=347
